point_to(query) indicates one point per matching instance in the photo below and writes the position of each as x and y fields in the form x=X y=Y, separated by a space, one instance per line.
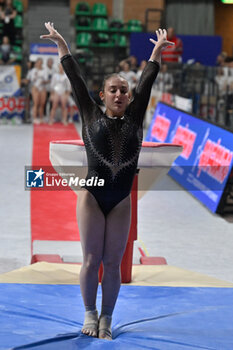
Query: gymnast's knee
x=91 y=262
x=111 y=265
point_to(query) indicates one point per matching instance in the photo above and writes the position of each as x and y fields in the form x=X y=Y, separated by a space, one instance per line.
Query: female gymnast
x=60 y=92
x=37 y=76
x=112 y=140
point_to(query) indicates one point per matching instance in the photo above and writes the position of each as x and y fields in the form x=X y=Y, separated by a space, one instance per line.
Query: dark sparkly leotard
x=112 y=145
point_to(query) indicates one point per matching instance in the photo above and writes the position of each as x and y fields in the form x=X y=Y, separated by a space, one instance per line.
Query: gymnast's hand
x=160 y=44
x=162 y=41
x=57 y=39
x=53 y=34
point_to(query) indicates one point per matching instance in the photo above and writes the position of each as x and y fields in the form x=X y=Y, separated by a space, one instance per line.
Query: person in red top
x=173 y=53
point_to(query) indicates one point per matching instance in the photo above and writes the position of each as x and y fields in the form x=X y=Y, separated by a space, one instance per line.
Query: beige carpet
x=142 y=275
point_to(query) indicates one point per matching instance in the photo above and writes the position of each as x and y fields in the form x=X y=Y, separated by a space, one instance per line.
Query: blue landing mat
x=49 y=317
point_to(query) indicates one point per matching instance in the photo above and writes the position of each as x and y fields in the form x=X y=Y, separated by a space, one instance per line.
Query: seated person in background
x=173 y=53
x=6 y=55
x=7 y=14
x=60 y=92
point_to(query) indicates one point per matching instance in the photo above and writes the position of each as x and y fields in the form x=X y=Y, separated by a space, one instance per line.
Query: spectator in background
x=2 y=4
x=221 y=81
x=229 y=99
x=173 y=53
x=164 y=81
x=38 y=79
x=140 y=69
x=6 y=54
x=226 y=62
x=221 y=59
x=128 y=75
x=72 y=109
x=50 y=72
x=229 y=65
x=30 y=66
x=25 y=85
x=133 y=62
x=60 y=92
x=7 y=14
x=230 y=80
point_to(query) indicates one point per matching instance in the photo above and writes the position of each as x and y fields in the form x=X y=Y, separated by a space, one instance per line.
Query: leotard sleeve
x=81 y=95
x=137 y=107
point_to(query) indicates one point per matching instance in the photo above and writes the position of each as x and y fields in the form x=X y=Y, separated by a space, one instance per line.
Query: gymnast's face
x=115 y=96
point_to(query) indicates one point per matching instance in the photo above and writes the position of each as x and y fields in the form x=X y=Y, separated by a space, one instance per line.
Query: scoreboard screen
x=206 y=162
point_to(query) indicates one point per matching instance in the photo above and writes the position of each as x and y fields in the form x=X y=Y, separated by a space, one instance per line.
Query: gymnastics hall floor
x=171 y=223
x=163 y=308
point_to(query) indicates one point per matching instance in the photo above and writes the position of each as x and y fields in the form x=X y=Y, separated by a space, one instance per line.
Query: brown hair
x=113 y=75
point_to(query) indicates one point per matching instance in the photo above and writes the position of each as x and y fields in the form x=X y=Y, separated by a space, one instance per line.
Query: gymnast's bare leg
x=101 y=239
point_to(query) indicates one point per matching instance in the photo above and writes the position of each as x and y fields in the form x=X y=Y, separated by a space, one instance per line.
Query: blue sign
x=201 y=48
x=35 y=178
x=205 y=164
x=43 y=49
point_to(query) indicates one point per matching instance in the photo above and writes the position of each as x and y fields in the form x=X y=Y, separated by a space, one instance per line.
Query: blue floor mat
x=49 y=317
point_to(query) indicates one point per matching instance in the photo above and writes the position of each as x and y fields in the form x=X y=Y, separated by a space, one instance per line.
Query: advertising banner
x=206 y=162
x=43 y=51
x=10 y=81
x=11 y=107
x=12 y=103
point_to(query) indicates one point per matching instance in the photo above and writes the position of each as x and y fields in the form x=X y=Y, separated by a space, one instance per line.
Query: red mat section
x=53 y=213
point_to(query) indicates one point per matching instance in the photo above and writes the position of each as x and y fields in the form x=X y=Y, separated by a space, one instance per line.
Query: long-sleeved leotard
x=112 y=145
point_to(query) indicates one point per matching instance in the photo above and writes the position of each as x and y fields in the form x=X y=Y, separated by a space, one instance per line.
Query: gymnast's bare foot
x=91 y=321
x=105 y=327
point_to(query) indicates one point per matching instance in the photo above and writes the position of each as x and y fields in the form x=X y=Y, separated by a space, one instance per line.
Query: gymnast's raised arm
x=81 y=95
x=142 y=93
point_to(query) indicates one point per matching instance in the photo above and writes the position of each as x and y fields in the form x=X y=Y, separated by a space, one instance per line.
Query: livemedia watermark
x=159 y=178
x=45 y=178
